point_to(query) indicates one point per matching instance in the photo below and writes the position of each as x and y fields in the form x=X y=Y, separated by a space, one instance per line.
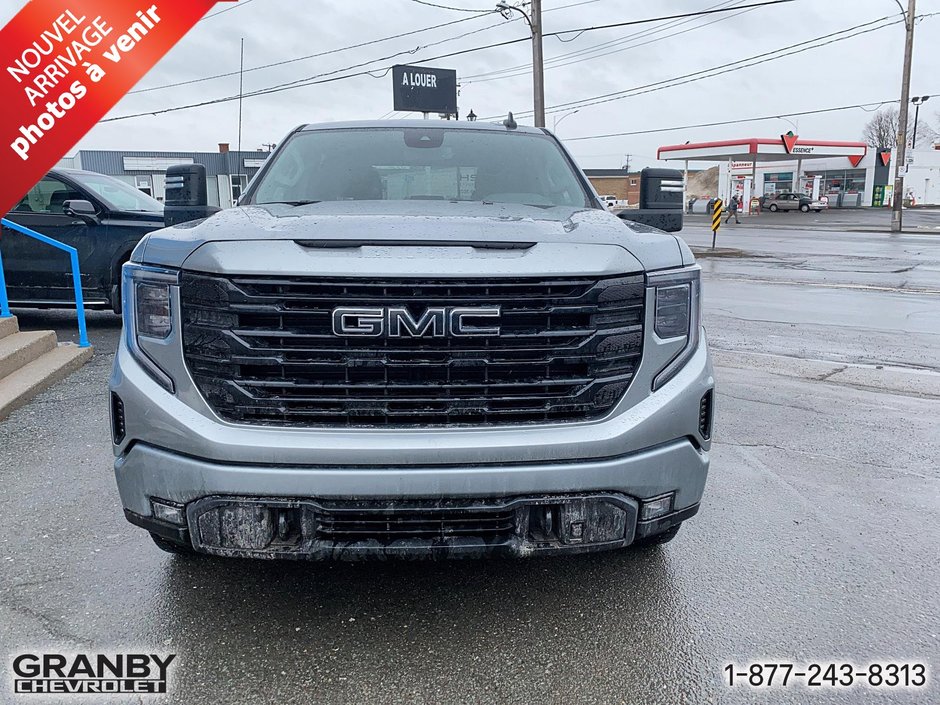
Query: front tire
x=804 y=208
x=773 y=208
x=116 y=304
x=178 y=549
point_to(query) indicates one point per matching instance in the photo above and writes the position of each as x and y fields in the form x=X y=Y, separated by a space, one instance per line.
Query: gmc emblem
x=398 y=322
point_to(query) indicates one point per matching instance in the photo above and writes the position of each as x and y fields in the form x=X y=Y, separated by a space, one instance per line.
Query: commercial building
x=227 y=172
x=623 y=185
x=847 y=174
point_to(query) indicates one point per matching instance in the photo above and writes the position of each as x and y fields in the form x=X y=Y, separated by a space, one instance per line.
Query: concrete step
x=8 y=326
x=22 y=348
x=40 y=374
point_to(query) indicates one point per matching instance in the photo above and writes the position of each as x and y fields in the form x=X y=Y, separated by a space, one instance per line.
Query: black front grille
x=428 y=523
x=262 y=351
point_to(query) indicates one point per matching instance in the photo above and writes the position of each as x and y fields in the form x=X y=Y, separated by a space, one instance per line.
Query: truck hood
x=411 y=238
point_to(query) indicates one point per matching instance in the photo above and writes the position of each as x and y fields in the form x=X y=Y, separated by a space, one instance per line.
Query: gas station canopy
x=749 y=152
x=755 y=149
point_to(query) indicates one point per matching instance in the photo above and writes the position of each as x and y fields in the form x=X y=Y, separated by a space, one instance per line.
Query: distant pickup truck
x=613 y=202
x=102 y=217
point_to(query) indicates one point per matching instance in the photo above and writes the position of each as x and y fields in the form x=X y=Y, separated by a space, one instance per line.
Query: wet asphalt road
x=817 y=539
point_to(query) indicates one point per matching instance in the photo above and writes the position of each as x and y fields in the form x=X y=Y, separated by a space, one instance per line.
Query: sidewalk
x=919 y=220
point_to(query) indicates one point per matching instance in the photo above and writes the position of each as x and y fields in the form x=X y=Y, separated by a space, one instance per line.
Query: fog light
x=656 y=507
x=170 y=513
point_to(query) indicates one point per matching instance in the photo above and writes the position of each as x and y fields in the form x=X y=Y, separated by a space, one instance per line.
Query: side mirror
x=79 y=208
x=187 y=195
x=660 y=200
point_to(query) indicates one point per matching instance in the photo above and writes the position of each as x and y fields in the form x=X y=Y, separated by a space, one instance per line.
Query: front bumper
x=177 y=452
x=256 y=527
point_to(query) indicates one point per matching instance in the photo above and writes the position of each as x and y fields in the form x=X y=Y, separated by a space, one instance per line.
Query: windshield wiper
x=289 y=203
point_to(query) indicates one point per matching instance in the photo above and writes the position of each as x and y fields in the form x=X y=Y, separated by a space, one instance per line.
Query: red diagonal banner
x=64 y=64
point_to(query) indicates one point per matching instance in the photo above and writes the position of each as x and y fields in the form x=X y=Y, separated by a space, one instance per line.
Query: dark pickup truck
x=101 y=217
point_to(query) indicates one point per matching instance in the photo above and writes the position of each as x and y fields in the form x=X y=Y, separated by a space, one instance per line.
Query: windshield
x=116 y=194
x=400 y=164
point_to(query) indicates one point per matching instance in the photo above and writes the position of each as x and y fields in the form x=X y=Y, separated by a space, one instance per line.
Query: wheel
x=773 y=208
x=179 y=549
x=804 y=208
x=116 y=288
x=658 y=539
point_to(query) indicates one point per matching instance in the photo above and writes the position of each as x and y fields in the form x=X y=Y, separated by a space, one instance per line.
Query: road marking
x=824 y=285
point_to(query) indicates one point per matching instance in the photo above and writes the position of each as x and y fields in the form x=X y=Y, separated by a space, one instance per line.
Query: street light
x=559 y=119
x=538 y=70
x=917 y=101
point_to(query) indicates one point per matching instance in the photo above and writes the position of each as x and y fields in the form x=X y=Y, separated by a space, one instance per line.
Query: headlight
x=678 y=315
x=153 y=309
x=148 y=313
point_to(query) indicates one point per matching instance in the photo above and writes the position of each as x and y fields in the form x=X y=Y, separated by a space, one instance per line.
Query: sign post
x=424 y=90
x=716 y=220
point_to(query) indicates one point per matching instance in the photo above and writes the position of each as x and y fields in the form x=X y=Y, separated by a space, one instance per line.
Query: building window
x=239 y=184
x=633 y=182
x=143 y=184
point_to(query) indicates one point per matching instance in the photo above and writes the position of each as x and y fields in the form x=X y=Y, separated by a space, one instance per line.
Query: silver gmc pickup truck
x=416 y=339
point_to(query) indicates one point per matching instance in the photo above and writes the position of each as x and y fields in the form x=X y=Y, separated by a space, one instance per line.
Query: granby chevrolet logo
x=99 y=674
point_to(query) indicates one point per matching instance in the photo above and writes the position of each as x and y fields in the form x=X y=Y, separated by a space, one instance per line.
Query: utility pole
x=241 y=87
x=901 y=160
x=534 y=20
x=538 y=66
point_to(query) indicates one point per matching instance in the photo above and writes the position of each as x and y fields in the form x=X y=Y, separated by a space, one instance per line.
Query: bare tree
x=882 y=130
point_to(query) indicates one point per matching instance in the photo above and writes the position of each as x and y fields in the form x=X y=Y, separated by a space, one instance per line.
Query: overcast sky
x=861 y=69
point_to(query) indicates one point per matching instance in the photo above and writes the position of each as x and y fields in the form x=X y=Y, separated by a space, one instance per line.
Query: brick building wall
x=625 y=186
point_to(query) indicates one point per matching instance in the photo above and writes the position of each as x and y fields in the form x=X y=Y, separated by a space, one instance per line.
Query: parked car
x=364 y=359
x=100 y=216
x=787 y=201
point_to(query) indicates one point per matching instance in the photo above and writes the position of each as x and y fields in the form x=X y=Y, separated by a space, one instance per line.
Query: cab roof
x=423 y=124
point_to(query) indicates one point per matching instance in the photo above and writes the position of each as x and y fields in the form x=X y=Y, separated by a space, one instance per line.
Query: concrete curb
x=878 y=378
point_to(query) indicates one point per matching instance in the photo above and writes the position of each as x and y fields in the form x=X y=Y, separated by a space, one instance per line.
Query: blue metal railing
x=76 y=278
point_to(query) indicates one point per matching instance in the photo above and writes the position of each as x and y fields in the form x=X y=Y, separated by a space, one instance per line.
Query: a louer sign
x=425 y=90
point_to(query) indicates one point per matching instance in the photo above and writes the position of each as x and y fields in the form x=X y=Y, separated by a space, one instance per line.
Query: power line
x=332 y=51
x=723 y=68
x=634 y=133
x=241 y=3
x=556 y=62
x=448 y=7
x=698 y=13
x=384 y=70
x=329 y=77
x=528 y=66
x=309 y=81
x=303 y=58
